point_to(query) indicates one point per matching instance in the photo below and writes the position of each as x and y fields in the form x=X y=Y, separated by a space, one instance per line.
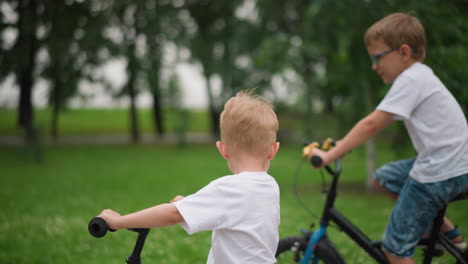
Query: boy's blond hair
x=398 y=29
x=249 y=123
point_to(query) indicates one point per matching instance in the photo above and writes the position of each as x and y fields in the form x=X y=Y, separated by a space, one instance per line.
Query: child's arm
x=177 y=198
x=361 y=132
x=158 y=216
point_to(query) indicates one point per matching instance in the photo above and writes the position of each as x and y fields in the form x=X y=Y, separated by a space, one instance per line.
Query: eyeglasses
x=375 y=58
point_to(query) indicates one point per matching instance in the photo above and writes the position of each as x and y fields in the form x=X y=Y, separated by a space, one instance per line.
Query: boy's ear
x=405 y=51
x=222 y=149
x=274 y=149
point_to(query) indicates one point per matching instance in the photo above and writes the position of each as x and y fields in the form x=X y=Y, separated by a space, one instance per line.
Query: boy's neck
x=405 y=66
x=410 y=63
x=245 y=163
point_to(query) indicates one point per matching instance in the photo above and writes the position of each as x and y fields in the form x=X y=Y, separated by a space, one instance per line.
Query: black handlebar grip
x=316 y=161
x=98 y=227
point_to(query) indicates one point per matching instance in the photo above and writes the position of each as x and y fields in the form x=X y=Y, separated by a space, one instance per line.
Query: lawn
x=46 y=207
x=102 y=121
x=91 y=122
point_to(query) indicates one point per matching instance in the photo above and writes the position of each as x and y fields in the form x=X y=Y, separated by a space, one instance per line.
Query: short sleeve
x=402 y=98
x=203 y=210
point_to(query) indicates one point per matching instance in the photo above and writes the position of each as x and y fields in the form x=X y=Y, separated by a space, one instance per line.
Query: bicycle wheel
x=325 y=250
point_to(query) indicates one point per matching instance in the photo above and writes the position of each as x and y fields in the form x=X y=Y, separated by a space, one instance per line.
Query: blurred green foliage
x=315 y=47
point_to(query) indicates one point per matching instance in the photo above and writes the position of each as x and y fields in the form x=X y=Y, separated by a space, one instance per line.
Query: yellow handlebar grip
x=307 y=149
x=327 y=144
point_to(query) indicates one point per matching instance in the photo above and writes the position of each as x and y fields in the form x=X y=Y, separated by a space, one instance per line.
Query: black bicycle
x=98 y=227
x=312 y=247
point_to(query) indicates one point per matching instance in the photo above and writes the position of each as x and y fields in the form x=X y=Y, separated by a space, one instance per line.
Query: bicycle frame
x=373 y=248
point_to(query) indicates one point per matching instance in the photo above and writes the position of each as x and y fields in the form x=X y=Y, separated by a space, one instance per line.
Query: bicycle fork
x=312 y=245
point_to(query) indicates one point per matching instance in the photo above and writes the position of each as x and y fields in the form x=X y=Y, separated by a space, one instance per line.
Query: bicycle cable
x=298 y=198
x=296 y=193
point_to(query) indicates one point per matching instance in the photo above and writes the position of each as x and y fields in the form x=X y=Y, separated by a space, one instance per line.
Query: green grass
x=102 y=121
x=88 y=122
x=46 y=207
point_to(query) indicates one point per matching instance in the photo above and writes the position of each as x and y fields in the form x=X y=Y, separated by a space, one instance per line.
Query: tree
x=446 y=28
x=146 y=26
x=20 y=60
x=162 y=26
x=124 y=17
x=212 y=45
x=74 y=47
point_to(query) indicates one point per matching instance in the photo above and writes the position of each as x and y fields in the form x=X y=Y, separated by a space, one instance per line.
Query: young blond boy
x=437 y=128
x=242 y=209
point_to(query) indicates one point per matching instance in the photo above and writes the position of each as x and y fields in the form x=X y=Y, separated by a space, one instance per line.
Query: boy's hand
x=111 y=218
x=322 y=154
x=177 y=198
x=326 y=156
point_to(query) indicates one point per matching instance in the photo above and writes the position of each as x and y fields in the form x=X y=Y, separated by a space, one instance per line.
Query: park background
x=66 y=153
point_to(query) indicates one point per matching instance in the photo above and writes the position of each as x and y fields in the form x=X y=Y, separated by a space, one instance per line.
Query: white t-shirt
x=243 y=212
x=435 y=122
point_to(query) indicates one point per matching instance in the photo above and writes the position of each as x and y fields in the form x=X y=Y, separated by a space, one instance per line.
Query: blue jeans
x=416 y=207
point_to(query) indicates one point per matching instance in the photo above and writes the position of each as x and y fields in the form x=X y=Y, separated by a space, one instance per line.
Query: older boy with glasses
x=437 y=128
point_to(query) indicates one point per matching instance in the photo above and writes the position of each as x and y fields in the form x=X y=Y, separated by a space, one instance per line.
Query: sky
x=193 y=85
x=193 y=88
x=91 y=95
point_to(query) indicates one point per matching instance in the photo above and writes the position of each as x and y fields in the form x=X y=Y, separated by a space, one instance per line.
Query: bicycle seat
x=462 y=196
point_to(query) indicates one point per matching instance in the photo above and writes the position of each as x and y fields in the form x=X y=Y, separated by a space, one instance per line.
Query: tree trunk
x=157 y=113
x=55 y=111
x=27 y=48
x=226 y=75
x=213 y=111
x=134 y=131
x=25 y=113
x=329 y=107
x=158 y=122
x=306 y=75
x=156 y=44
x=371 y=162
x=132 y=93
x=371 y=149
x=214 y=115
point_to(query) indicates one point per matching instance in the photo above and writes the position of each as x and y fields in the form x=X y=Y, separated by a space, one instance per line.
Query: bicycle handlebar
x=316 y=161
x=98 y=227
x=325 y=145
